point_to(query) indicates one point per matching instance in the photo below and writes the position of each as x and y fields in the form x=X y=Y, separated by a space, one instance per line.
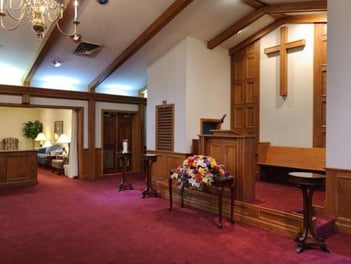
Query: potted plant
x=32 y=129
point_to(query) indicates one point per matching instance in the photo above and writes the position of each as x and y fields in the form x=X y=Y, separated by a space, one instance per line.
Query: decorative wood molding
x=64 y=94
x=25 y=99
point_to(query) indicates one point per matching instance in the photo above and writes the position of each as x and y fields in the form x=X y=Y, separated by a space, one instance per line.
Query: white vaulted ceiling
x=130 y=40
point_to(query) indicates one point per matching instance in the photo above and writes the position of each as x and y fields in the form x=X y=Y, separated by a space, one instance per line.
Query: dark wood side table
x=124 y=158
x=220 y=183
x=148 y=159
x=308 y=182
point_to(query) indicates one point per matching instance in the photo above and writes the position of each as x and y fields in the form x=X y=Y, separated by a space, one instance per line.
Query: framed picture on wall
x=58 y=129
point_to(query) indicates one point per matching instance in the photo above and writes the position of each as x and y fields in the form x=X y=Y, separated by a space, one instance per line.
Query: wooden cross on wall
x=283 y=49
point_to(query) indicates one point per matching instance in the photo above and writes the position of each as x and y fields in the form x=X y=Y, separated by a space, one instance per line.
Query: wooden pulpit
x=237 y=154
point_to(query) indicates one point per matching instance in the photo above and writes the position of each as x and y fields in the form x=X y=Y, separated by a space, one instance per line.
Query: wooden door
x=117 y=127
x=124 y=132
x=109 y=144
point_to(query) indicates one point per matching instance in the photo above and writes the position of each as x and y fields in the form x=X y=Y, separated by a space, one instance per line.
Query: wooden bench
x=273 y=161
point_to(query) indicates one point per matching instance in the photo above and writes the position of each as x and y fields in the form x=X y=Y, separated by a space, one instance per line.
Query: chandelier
x=41 y=13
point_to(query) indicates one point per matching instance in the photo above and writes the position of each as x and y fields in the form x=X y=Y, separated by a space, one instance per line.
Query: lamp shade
x=40 y=137
x=63 y=139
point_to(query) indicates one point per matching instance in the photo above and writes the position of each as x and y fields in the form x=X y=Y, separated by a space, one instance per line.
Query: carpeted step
x=324 y=226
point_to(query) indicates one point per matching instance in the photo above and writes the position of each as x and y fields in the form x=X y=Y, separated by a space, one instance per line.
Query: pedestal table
x=124 y=157
x=308 y=182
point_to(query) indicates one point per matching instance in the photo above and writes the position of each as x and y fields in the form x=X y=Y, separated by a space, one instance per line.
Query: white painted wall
x=197 y=81
x=338 y=82
x=49 y=116
x=167 y=82
x=208 y=86
x=287 y=121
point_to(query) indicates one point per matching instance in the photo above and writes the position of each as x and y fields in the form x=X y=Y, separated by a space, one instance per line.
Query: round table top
x=309 y=175
x=149 y=156
x=307 y=178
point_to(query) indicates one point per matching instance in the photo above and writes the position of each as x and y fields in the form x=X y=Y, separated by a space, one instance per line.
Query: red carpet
x=71 y=221
x=282 y=197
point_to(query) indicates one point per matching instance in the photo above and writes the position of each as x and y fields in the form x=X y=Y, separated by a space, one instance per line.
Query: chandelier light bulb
x=41 y=14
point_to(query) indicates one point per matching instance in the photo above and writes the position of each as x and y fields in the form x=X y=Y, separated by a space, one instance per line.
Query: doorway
x=117 y=129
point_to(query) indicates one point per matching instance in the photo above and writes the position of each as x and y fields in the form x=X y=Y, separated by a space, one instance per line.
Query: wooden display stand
x=18 y=167
x=124 y=185
x=237 y=153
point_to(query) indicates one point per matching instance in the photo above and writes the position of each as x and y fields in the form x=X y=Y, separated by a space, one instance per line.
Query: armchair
x=10 y=143
x=45 y=153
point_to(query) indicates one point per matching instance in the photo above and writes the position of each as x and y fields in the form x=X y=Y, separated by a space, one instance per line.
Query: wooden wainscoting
x=165 y=162
x=338 y=198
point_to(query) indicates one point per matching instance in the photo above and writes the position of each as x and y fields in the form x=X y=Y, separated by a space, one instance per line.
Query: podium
x=238 y=154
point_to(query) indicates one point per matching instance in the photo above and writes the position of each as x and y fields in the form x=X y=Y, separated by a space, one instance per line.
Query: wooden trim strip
x=74 y=95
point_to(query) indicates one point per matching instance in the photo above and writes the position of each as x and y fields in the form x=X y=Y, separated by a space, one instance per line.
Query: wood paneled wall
x=245 y=90
x=320 y=86
x=338 y=198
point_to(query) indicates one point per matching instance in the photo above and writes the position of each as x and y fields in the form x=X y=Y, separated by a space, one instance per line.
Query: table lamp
x=41 y=138
x=64 y=140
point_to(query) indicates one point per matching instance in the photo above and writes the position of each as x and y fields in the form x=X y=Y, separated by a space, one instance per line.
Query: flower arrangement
x=197 y=170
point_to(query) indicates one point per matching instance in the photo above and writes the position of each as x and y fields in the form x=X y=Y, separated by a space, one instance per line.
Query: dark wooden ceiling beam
x=52 y=35
x=310 y=6
x=258 y=35
x=306 y=19
x=166 y=17
x=275 y=10
x=236 y=27
x=253 y=3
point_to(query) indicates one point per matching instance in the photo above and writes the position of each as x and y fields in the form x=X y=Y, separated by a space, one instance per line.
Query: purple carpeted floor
x=71 y=221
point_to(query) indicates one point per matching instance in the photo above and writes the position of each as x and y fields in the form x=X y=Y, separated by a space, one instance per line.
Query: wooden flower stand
x=219 y=184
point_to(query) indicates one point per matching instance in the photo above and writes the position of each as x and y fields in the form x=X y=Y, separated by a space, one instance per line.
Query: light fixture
x=56 y=63
x=41 y=13
x=64 y=140
x=40 y=137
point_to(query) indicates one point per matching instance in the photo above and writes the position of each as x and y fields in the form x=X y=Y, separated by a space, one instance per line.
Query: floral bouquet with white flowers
x=196 y=171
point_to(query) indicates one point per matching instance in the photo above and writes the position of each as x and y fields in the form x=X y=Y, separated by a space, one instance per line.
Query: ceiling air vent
x=87 y=49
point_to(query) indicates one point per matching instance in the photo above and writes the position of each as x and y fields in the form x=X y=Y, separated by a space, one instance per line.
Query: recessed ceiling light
x=56 y=63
